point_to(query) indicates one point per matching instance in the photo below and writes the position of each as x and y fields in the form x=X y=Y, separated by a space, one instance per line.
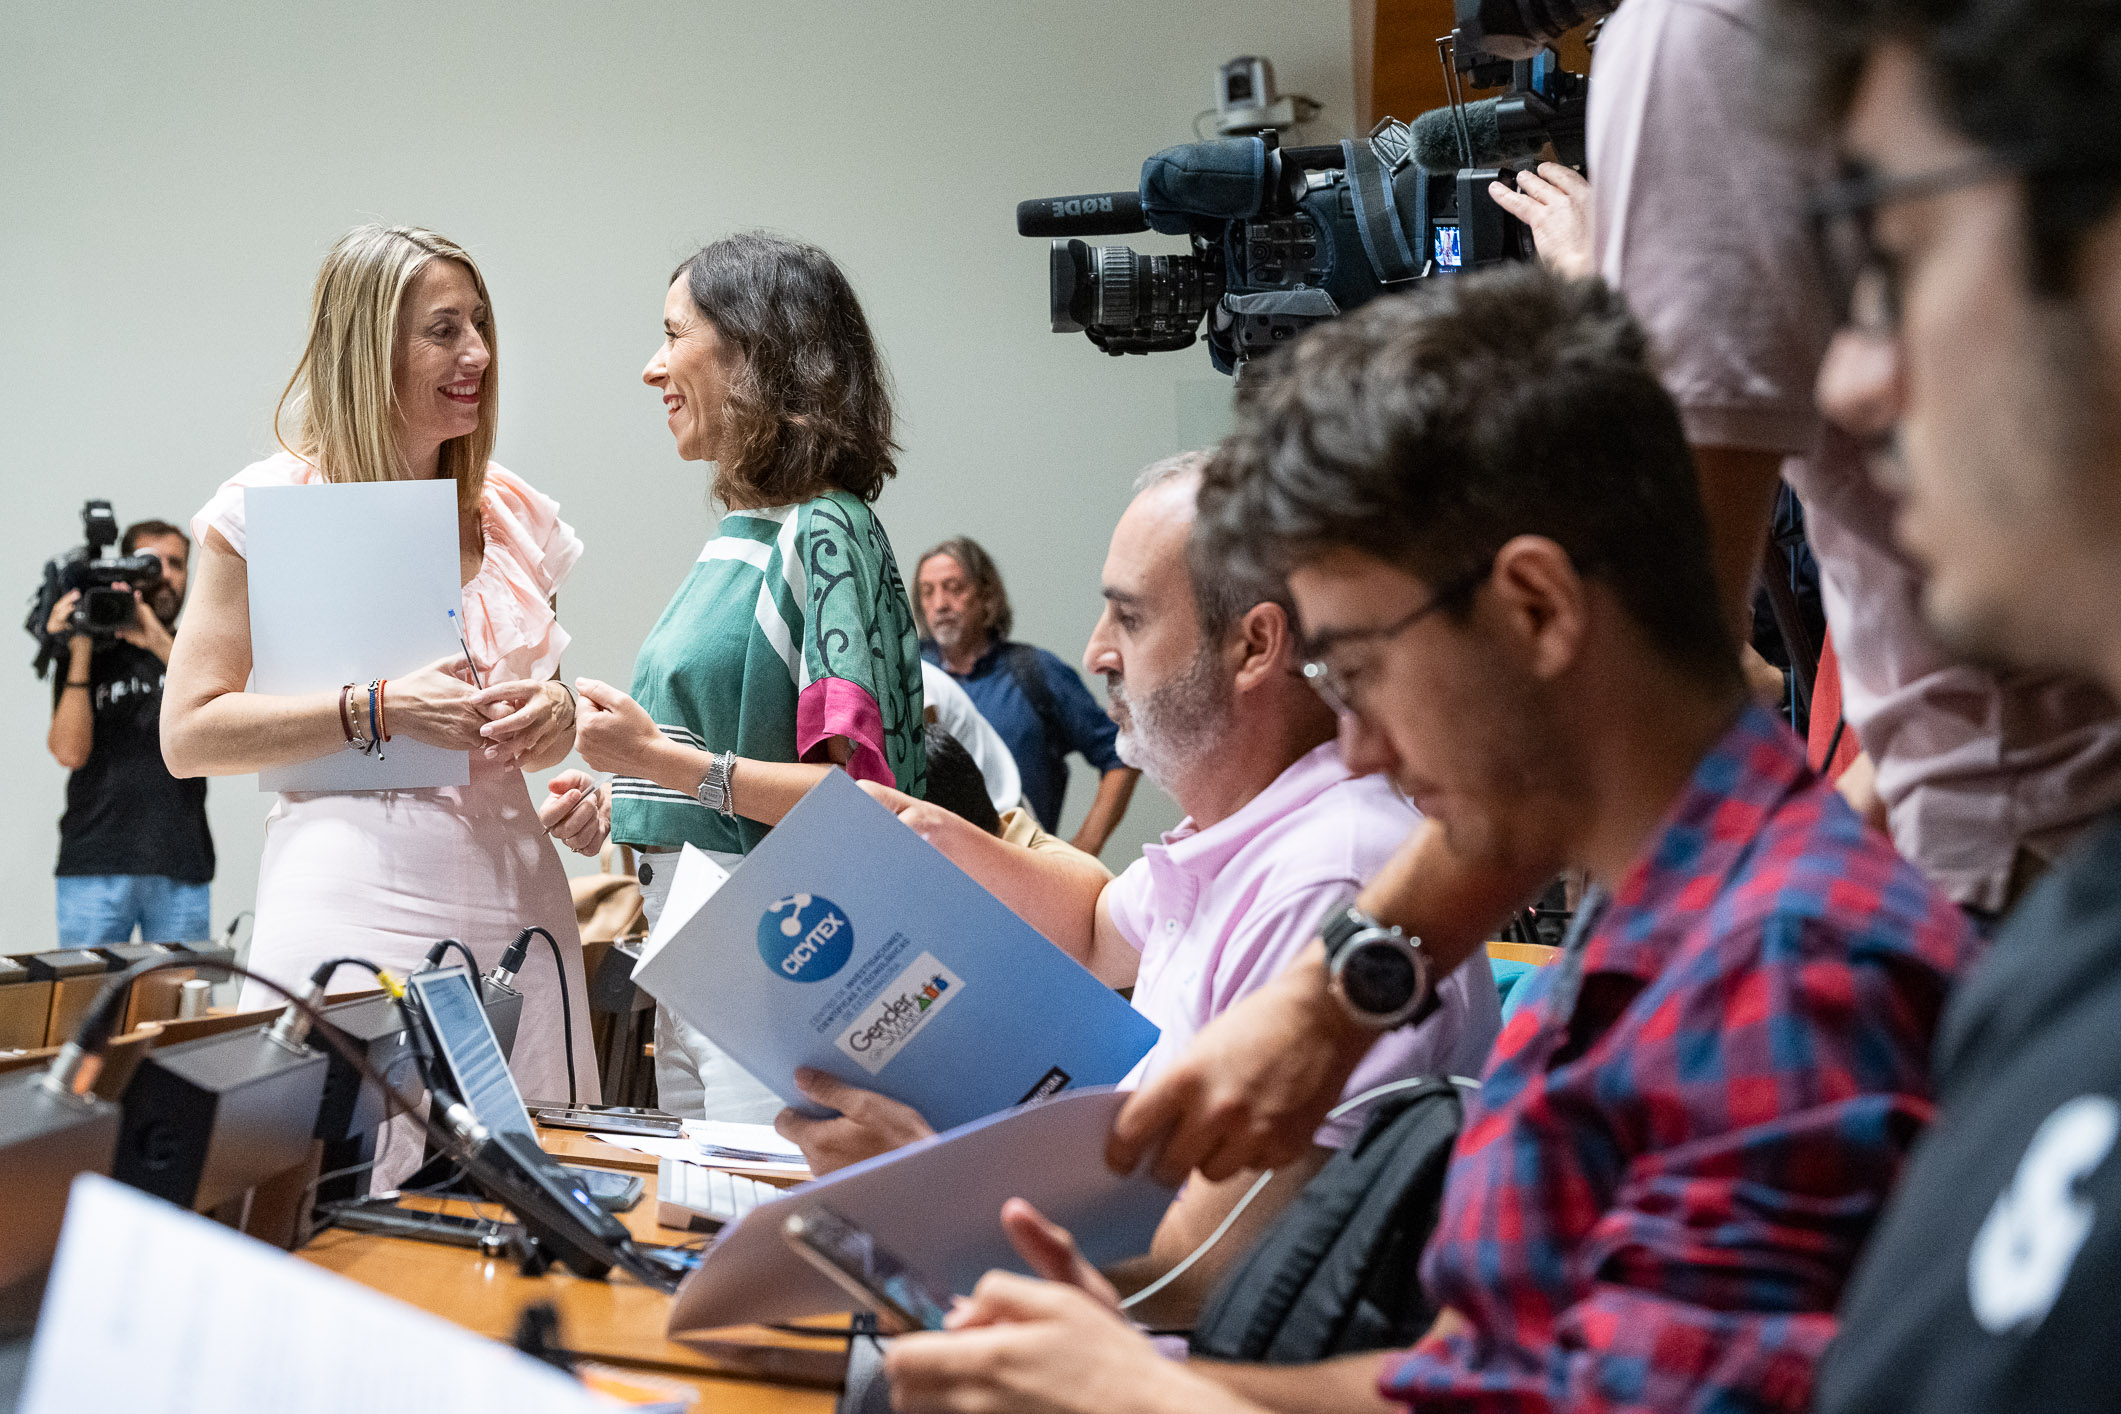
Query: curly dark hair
x=809 y=402
x=1428 y=429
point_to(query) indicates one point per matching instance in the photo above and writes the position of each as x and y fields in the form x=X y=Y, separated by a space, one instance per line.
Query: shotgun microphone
x=1107 y=213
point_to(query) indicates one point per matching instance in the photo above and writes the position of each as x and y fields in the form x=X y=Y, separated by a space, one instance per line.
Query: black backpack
x=1337 y=1272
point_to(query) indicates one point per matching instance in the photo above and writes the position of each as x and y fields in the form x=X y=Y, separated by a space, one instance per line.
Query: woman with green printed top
x=790 y=649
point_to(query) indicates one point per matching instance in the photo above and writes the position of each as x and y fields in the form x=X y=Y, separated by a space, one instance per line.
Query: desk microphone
x=53 y=1128
x=503 y=1003
x=502 y=981
x=49 y=1133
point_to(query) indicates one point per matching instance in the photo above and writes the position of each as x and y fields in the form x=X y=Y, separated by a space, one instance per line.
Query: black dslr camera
x=103 y=608
x=1284 y=238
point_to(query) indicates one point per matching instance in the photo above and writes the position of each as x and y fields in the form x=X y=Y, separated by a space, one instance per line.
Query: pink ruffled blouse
x=508 y=618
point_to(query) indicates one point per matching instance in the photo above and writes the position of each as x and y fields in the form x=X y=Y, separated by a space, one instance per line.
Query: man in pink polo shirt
x=1203 y=674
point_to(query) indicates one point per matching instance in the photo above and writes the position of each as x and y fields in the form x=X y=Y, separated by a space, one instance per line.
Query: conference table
x=617 y=1321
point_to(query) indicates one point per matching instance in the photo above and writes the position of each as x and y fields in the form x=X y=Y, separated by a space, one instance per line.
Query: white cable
x=1230 y=1219
x=1201 y=1251
x=1393 y=1087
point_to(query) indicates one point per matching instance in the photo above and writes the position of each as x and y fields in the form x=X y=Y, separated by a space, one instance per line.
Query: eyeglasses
x=1844 y=215
x=1336 y=686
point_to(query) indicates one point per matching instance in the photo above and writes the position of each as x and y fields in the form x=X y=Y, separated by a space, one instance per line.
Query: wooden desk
x=616 y=1320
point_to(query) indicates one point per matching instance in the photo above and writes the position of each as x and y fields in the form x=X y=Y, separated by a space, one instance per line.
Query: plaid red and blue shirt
x=1684 y=1137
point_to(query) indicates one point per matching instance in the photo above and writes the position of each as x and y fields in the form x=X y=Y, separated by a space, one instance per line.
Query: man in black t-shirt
x=1980 y=234
x=133 y=845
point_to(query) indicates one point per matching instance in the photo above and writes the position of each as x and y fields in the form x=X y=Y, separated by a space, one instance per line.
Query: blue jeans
x=104 y=908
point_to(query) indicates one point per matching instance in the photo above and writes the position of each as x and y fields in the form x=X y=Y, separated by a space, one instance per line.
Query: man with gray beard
x=1204 y=679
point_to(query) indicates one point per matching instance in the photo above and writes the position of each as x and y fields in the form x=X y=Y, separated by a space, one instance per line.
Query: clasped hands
x=613 y=733
x=523 y=723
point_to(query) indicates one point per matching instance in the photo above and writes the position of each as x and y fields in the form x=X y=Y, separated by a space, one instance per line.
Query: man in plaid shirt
x=1483 y=502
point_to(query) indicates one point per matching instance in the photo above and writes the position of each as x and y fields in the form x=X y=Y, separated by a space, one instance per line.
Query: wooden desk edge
x=746 y=1369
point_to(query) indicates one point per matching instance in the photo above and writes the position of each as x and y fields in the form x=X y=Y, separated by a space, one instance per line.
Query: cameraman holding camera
x=133 y=845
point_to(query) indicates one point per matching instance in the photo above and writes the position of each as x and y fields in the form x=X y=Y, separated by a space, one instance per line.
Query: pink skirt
x=382 y=875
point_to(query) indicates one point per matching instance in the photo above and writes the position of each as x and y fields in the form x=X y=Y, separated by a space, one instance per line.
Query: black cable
x=95 y=1028
x=1833 y=744
x=71 y=1072
x=389 y=1113
x=566 y=1006
x=322 y=973
x=434 y=955
x=846 y=1332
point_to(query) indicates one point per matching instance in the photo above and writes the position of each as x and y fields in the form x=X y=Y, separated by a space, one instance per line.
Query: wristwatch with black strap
x=1379 y=975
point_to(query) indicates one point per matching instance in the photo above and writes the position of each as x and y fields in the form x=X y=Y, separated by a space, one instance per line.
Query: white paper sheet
x=696 y=881
x=350 y=584
x=692 y=1151
x=152 y=1310
x=747 y=1138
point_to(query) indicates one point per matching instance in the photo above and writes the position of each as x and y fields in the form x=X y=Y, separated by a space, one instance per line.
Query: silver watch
x=1379 y=975
x=714 y=786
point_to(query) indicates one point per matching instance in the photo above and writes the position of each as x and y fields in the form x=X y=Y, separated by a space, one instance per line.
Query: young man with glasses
x=1703 y=222
x=1985 y=776
x=1488 y=518
x=1981 y=224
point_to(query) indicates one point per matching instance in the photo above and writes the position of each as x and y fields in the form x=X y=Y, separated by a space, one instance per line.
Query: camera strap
x=1376 y=215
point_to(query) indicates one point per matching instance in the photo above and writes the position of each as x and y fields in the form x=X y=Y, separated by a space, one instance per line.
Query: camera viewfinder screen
x=1447 y=253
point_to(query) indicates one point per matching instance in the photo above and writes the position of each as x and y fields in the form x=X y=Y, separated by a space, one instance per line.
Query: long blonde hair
x=342 y=393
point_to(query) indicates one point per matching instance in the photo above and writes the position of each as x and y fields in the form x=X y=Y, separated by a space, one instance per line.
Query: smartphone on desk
x=865 y=1270
x=644 y=1124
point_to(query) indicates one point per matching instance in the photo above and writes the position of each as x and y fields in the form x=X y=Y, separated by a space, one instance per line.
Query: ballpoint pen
x=478 y=678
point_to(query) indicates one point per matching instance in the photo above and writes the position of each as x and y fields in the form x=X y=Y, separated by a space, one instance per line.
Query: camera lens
x=1519 y=29
x=104 y=611
x=1128 y=302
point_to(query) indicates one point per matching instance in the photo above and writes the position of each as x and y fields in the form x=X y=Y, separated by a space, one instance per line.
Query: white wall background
x=170 y=177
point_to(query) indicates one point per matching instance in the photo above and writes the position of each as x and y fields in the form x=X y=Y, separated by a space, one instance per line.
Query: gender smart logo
x=896 y=1016
x=805 y=937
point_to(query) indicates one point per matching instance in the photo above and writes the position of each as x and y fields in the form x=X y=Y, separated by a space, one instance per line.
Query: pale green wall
x=170 y=176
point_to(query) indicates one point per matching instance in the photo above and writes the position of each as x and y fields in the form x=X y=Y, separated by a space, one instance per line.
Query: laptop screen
x=468 y=1050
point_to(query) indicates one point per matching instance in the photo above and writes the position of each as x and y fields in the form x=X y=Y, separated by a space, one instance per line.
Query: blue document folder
x=847 y=943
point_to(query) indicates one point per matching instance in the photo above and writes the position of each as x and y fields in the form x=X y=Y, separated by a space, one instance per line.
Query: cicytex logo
x=805 y=937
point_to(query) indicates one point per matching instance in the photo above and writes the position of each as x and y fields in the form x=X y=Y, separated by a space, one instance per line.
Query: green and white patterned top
x=792 y=628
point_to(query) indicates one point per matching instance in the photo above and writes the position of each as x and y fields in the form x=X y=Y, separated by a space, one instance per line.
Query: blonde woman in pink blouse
x=398 y=383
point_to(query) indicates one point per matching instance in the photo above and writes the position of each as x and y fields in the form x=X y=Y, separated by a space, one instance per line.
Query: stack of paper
x=723 y=1144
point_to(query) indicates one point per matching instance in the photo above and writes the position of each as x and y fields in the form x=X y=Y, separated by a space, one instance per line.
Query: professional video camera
x=1285 y=238
x=103 y=608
